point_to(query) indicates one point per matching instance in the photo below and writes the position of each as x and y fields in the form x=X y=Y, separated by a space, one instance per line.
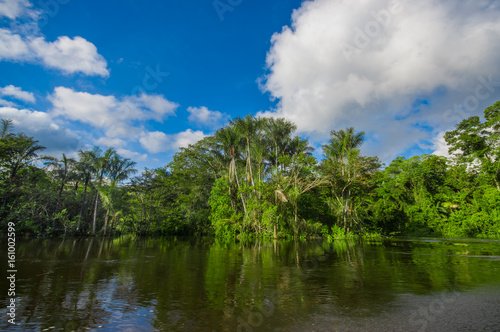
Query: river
x=199 y=284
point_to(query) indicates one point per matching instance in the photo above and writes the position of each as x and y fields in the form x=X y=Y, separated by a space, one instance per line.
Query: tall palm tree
x=341 y=153
x=248 y=128
x=101 y=164
x=229 y=141
x=279 y=131
x=259 y=150
x=62 y=169
x=119 y=170
x=85 y=169
x=297 y=145
x=342 y=142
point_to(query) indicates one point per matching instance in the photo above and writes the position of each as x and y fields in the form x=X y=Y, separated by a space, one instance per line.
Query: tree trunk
x=296 y=231
x=241 y=195
x=95 y=212
x=249 y=162
x=276 y=154
x=106 y=221
x=345 y=209
x=82 y=206
x=57 y=204
x=112 y=226
x=59 y=197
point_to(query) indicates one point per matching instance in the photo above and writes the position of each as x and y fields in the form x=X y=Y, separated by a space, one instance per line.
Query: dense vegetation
x=253 y=177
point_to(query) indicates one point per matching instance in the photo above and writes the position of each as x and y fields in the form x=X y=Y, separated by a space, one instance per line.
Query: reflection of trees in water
x=188 y=285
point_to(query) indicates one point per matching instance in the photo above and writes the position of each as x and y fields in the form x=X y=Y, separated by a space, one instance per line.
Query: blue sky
x=148 y=77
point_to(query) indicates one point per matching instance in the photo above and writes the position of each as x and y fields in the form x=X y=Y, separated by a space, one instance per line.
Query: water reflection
x=130 y=284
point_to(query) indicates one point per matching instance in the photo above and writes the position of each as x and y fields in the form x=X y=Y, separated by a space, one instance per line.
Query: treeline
x=254 y=177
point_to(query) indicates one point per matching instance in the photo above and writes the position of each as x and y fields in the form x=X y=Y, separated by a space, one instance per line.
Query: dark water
x=132 y=284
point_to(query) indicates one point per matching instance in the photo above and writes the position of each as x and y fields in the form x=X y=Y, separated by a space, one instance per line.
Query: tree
x=477 y=143
x=61 y=168
x=300 y=177
x=101 y=164
x=247 y=127
x=18 y=151
x=343 y=167
x=119 y=169
x=84 y=170
x=5 y=131
x=278 y=131
x=229 y=141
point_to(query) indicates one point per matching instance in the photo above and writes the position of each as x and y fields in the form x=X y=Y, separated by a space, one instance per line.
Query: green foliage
x=224 y=219
x=254 y=178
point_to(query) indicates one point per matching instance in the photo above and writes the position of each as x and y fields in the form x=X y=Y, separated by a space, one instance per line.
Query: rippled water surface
x=129 y=284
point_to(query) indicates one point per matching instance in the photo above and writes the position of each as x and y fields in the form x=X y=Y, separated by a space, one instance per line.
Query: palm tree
x=342 y=152
x=247 y=127
x=229 y=141
x=279 y=131
x=85 y=169
x=62 y=169
x=109 y=199
x=342 y=142
x=5 y=131
x=297 y=145
x=101 y=164
x=119 y=170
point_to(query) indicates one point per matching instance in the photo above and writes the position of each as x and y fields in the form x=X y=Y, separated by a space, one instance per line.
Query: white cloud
x=157 y=105
x=187 y=137
x=12 y=46
x=156 y=142
x=132 y=155
x=16 y=8
x=204 y=117
x=68 y=55
x=7 y=103
x=110 y=142
x=17 y=93
x=84 y=107
x=440 y=146
x=23 y=42
x=365 y=63
x=75 y=55
x=115 y=116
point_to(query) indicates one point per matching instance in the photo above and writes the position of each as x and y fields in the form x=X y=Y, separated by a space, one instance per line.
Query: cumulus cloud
x=113 y=115
x=440 y=146
x=110 y=142
x=132 y=155
x=157 y=106
x=17 y=93
x=23 y=43
x=12 y=46
x=16 y=8
x=75 y=55
x=156 y=142
x=202 y=116
x=371 y=63
x=7 y=103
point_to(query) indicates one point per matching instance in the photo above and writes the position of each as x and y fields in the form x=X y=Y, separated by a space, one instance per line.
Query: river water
x=130 y=284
